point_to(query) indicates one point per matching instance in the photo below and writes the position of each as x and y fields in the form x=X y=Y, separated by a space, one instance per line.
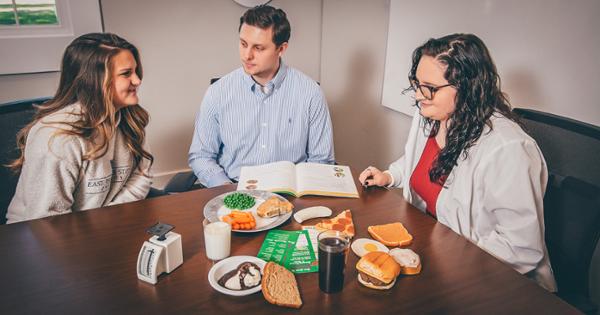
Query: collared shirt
x=241 y=123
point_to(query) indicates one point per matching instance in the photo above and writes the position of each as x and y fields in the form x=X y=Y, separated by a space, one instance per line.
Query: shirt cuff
x=218 y=179
x=393 y=179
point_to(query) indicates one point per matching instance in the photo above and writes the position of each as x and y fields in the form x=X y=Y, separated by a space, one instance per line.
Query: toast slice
x=279 y=286
x=392 y=234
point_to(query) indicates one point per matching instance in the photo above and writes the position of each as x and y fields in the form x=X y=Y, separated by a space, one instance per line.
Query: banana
x=311 y=213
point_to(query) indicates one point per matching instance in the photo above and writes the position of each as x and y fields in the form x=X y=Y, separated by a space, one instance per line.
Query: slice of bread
x=279 y=286
x=392 y=234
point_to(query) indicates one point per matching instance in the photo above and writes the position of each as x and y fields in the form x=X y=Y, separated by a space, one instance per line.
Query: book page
x=274 y=177
x=325 y=180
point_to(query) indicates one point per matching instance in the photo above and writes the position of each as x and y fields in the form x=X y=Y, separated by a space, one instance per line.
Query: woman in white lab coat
x=467 y=162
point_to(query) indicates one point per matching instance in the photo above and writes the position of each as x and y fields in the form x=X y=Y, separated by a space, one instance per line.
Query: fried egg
x=362 y=246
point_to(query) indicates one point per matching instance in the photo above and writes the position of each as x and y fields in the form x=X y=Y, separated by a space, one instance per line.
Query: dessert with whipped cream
x=245 y=276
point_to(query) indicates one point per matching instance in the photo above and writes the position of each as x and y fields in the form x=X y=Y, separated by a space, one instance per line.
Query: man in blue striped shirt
x=262 y=112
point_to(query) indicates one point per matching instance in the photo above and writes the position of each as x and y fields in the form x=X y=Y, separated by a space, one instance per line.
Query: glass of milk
x=217 y=238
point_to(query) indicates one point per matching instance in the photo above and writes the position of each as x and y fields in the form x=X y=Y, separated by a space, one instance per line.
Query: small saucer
x=226 y=265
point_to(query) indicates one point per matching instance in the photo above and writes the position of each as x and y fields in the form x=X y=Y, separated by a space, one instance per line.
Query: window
x=35 y=33
x=28 y=12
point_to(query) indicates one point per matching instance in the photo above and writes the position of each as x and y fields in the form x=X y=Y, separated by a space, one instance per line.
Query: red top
x=419 y=180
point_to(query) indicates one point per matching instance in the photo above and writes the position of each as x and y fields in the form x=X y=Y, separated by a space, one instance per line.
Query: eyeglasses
x=427 y=90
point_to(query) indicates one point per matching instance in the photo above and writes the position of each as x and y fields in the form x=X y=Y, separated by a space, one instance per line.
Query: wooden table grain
x=85 y=263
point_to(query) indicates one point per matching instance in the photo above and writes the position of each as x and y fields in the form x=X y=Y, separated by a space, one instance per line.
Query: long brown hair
x=471 y=70
x=86 y=78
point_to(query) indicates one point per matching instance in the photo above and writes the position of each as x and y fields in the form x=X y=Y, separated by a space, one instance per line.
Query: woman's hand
x=371 y=176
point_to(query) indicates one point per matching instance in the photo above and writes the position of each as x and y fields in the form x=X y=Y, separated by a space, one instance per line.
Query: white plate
x=215 y=209
x=226 y=265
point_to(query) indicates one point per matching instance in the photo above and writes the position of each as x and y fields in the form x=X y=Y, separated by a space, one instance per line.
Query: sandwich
x=408 y=260
x=392 y=234
x=273 y=207
x=279 y=286
x=377 y=270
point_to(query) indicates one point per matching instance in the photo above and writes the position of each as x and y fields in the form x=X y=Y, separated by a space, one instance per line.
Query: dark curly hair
x=470 y=69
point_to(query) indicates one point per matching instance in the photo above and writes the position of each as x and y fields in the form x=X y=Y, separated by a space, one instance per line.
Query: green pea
x=239 y=201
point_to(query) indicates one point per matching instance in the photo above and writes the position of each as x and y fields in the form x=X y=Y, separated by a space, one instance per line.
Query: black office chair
x=180 y=182
x=13 y=117
x=572 y=201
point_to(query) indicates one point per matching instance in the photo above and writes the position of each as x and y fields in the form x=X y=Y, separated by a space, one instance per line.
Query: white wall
x=23 y=86
x=352 y=65
x=546 y=51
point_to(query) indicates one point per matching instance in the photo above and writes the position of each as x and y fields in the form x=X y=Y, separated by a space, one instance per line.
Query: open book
x=299 y=180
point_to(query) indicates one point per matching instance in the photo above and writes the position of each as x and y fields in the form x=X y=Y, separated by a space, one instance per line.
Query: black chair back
x=572 y=200
x=13 y=117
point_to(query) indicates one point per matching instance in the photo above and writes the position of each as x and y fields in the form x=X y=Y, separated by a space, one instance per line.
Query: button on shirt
x=243 y=123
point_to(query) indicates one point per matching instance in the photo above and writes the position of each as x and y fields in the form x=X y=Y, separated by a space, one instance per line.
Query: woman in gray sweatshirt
x=85 y=147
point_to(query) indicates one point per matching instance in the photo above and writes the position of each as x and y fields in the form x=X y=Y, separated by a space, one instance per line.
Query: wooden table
x=85 y=263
